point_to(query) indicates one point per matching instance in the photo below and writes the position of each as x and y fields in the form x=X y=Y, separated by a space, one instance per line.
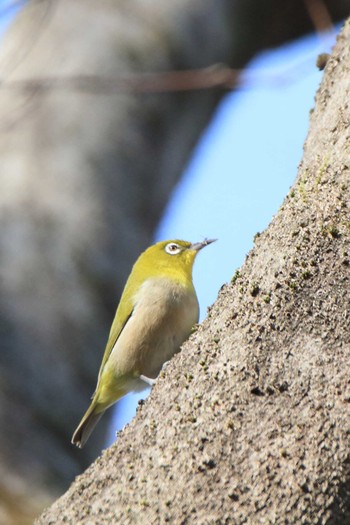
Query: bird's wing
x=122 y=316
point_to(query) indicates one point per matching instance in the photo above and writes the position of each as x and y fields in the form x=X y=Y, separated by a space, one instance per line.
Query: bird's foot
x=149 y=380
x=165 y=365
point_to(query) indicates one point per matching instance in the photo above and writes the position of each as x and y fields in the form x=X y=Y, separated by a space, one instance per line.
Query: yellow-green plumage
x=156 y=313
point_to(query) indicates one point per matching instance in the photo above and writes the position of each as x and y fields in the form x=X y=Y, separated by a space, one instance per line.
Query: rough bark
x=250 y=422
x=84 y=178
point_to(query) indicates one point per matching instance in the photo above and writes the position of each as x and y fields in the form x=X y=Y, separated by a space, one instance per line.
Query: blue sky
x=242 y=167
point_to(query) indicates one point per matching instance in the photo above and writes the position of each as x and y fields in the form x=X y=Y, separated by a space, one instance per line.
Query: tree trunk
x=250 y=423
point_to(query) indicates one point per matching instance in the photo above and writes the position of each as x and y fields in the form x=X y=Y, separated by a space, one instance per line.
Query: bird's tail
x=87 y=424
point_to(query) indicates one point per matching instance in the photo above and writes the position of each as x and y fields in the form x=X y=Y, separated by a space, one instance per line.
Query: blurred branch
x=188 y=80
x=214 y=76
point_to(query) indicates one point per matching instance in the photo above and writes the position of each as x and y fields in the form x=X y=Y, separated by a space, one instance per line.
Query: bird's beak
x=199 y=245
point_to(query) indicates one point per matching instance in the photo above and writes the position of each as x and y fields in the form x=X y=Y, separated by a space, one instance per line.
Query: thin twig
x=217 y=76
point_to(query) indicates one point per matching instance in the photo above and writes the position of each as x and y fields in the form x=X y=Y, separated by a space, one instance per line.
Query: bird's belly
x=154 y=333
x=156 y=351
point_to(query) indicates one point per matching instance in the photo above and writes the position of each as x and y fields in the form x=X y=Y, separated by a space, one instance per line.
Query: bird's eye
x=172 y=248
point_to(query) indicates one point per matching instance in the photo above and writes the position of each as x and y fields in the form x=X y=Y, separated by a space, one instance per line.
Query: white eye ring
x=172 y=248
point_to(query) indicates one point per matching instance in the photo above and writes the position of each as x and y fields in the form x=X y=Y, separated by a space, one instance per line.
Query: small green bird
x=156 y=313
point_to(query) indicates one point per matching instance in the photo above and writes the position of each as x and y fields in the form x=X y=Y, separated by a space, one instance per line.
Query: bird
x=156 y=313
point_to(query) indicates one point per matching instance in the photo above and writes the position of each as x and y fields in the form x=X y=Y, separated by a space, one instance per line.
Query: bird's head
x=172 y=259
